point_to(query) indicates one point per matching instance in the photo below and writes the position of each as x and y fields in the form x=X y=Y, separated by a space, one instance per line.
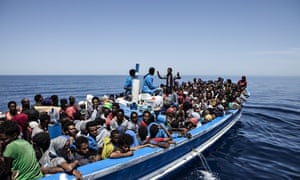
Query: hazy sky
x=195 y=37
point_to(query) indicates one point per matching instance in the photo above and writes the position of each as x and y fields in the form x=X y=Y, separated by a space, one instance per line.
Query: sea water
x=264 y=144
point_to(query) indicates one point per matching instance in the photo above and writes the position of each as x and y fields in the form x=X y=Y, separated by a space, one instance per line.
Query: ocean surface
x=264 y=144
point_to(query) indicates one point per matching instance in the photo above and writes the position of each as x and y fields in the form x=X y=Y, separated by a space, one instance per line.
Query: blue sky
x=195 y=37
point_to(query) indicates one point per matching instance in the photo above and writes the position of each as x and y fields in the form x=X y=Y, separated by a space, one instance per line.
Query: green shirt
x=24 y=159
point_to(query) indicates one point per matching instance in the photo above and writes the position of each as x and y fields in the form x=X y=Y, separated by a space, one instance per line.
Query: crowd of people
x=101 y=130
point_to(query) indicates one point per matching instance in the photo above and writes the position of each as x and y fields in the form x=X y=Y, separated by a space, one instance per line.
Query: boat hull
x=154 y=163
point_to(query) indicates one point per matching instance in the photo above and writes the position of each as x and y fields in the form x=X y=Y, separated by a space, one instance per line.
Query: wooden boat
x=154 y=163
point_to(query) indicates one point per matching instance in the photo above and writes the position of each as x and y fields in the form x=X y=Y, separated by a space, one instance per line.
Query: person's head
x=134 y=116
x=114 y=135
x=153 y=130
x=120 y=115
x=60 y=146
x=132 y=72
x=142 y=133
x=82 y=145
x=40 y=142
x=114 y=108
x=38 y=99
x=54 y=100
x=42 y=139
x=92 y=128
x=44 y=120
x=125 y=141
x=25 y=103
x=69 y=128
x=169 y=70
x=147 y=117
x=12 y=107
x=106 y=107
x=72 y=100
x=63 y=103
x=9 y=131
x=244 y=78
x=95 y=101
x=151 y=70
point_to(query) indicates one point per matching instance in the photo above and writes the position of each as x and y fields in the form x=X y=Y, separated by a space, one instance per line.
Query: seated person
x=57 y=156
x=160 y=141
x=118 y=145
x=17 y=155
x=83 y=153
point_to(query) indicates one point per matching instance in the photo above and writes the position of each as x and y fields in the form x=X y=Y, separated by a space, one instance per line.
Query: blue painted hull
x=154 y=163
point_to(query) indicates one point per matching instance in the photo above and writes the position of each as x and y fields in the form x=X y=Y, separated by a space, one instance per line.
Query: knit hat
x=107 y=105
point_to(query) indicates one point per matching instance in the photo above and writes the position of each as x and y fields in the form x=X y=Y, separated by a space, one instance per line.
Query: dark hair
x=77 y=115
x=54 y=100
x=44 y=117
x=38 y=97
x=116 y=105
x=95 y=98
x=90 y=124
x=125 y=140
x=67 y=124
x=100 y=121
x=25 y=103
x=114 y=132
x=33 y=115
x=151 y=70
x=132 y=72
x=80 y=140
x=153 y=130
x=72 y=100
x=11 y=102
x=40 y=142
x=63 y=102
x=10 y=128
x=142 y=132
x=133 y=113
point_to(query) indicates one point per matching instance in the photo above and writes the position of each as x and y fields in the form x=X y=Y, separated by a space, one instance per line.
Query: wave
x=282 y=108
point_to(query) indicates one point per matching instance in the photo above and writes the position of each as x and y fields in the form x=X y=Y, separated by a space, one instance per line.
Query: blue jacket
x=128 y=85
x=148 y=86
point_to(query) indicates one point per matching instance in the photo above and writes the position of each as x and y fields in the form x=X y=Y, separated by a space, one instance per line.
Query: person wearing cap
x=107 y=114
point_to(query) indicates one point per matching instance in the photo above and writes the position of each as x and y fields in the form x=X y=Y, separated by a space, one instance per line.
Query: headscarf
x=56 y=146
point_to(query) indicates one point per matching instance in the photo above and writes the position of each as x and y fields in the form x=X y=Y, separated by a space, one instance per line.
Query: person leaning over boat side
x=128 y=82
x=15 y=158
x=83 y=153
x=148 y=83
x=57 y=156
x=109 y=144
x=159 y=140
x=170 y=79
